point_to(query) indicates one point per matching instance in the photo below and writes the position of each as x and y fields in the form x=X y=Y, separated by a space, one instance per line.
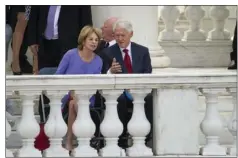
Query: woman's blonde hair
x=85 y=32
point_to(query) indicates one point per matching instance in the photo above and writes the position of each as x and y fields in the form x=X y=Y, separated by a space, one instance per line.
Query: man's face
x=107 y=31
x=122 y=37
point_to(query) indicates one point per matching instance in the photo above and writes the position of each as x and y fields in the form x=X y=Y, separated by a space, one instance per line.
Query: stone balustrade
x=196 y=41
x=176 y=124
x=203 y=18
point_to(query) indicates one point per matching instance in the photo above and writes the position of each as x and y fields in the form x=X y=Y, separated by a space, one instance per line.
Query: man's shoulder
x=114 y=46
x=133 y=44
x=113 y=49
x=140 y=48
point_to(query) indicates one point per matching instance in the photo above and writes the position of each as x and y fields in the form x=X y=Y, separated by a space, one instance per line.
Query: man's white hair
x=123 y=24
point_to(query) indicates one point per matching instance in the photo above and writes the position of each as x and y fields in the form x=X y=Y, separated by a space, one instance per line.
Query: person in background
x=19 y=16
x=8 y=30
x=233 y=54
x=107 y=41
x=80 y=60
x=53 y=30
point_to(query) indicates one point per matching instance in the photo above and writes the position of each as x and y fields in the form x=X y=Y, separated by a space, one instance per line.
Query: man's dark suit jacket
x=102 y=52
x=71 y=20
x=141 y=62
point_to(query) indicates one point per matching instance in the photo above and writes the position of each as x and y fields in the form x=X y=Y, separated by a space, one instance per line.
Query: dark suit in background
x=233 y=54
x=141 y=63
x=72 y=18
x=102 y=52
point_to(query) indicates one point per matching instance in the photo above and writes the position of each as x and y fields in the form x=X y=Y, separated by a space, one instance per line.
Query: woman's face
x=91 y=42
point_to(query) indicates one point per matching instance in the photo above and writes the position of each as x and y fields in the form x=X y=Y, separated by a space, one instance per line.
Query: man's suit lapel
x=135 y=57
x=119 y=58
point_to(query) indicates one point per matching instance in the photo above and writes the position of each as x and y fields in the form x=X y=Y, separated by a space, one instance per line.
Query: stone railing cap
x=163 y=78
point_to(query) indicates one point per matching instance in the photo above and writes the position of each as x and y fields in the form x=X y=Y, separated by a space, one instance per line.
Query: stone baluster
x=28 y=127
x=111 y=126
x=170 y=15
x=55 y=127
x=219 y=14
x=139 y=126
x=211 y=125
x=194 y=14
x=83 y=127
x=232 y=123
x=8 y=133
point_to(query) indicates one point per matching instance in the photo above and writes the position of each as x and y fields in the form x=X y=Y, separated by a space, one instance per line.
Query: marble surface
x=177 y=126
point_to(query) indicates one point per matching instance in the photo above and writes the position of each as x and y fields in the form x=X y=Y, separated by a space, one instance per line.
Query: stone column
x=145 y=31
x=84 y=127
x=111 y=126
x=194 y=14
x=28 y=127
x=55 y=127
x=211 y=125
x=232 y=123
x=139 y=126
x=219 y=14
x=8 y=133
x=170 y=15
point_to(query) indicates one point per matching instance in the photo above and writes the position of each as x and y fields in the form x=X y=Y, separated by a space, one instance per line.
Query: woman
x=81 y=60
x=22 y=13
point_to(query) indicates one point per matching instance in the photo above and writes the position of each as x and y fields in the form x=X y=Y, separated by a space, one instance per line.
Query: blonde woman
x=81 y=60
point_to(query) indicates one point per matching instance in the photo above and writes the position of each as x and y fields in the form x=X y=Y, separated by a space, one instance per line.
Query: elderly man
x=128 y=57
x=107 y=31
x=107 y=41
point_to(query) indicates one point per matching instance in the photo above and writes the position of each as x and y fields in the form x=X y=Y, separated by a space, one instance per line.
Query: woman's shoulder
x=71 y=52
x=98 y=58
